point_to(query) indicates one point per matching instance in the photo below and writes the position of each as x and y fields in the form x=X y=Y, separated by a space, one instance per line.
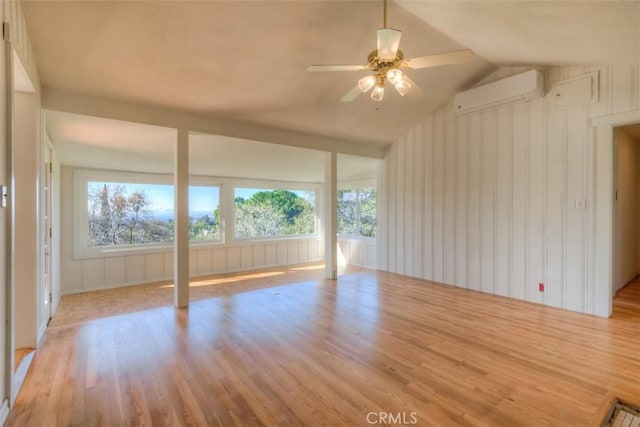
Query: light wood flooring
x=628 y=298
x=286 y=347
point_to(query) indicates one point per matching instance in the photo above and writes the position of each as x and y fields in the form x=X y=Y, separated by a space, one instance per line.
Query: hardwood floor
x=628 y=298
x=290 y=348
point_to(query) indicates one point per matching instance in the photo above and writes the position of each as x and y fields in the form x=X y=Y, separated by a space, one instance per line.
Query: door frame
x=46 y=237
x=604 y=200
x=8 y=226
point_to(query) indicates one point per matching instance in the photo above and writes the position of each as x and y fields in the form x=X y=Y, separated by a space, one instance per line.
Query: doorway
x=626 y=247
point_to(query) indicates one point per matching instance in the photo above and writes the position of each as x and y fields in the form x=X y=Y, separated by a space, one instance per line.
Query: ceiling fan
x=388 y=63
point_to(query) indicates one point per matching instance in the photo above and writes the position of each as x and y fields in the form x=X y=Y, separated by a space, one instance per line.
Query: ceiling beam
x=53 y=99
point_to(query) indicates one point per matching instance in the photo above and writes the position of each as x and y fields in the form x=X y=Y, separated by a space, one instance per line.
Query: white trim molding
x=604 y=195
x=4 y=412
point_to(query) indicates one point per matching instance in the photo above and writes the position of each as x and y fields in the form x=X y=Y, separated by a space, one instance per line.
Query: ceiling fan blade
x=416 y=91
x=315 y=68
x=438 y=60
x=388 y=43
x=352 y=94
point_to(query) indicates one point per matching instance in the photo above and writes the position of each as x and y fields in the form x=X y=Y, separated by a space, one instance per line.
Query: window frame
x=227 y=187
x=273 y=185
x=204 y=181
x=360 y=185
x=81 y=178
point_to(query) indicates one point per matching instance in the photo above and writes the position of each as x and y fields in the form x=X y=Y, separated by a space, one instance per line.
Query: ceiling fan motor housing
x=381 y=65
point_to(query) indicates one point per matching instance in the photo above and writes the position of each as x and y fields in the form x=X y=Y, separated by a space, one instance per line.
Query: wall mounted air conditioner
x=523 y=86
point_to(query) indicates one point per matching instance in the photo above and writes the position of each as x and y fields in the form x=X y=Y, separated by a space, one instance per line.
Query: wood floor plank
x=287 y=347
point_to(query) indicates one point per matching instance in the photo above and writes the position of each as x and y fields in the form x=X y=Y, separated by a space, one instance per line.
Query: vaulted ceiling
x=242 y=60
x=245 y=61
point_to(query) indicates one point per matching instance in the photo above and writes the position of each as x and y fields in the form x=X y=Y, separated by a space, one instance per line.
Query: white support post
x=181 y=209
x=331 y=215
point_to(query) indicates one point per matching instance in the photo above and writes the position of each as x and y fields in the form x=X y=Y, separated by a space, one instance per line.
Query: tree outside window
x=273 y=213
x=132 y=214
x=357 y=212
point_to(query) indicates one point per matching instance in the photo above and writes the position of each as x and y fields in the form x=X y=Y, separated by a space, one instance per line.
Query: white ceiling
x=99 y=143
x=245 y=61
x=242 y=60
x=546 y=32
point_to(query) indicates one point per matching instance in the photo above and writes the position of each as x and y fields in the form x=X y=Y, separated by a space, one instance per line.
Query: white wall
x=627 y=209
x=26 y=172
x=358 y=252
x=486 y=200
x=152 y=266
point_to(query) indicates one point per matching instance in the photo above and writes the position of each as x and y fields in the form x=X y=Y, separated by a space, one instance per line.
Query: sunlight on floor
x=220 y=280
x=308 y=267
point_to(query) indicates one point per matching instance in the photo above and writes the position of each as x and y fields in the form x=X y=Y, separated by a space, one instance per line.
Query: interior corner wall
x=627 y=210
x=358 y=252
x=487 y=200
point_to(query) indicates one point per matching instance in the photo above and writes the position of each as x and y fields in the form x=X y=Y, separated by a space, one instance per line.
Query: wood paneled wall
x=486 y=200
x=116 y=271
x=358 y=252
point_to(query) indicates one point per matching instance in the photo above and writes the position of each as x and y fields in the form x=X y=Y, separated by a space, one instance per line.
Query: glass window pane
x=357 y=212
x=264 y=213
x=137 y=213
x=129 y=214
x=204 y=213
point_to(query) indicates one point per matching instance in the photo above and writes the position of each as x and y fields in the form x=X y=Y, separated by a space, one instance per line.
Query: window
x=128 y=213
x=357 y=212
x=204 y=213
x=262 y=213
x=123 y=213
x=132 y=214
x=131 y=211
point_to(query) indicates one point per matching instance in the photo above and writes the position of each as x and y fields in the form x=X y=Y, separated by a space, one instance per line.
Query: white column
x=331 y=215
x=181 y=209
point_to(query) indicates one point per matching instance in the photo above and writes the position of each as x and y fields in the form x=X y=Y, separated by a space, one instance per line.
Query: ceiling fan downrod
x=384 y=15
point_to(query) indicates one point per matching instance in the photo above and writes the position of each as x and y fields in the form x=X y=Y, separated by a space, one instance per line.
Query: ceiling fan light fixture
x=386 y=63
x=394 y=76
x=402 y=86
x=366 y=83
x=378 y=93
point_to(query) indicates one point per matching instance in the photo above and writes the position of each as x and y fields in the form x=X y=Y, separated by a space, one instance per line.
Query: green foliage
x=274 y=213
x=205 y=228
x=357 y=212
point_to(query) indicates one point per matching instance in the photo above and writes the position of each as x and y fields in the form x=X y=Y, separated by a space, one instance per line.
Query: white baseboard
x=4 y=412
x=41 y=330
